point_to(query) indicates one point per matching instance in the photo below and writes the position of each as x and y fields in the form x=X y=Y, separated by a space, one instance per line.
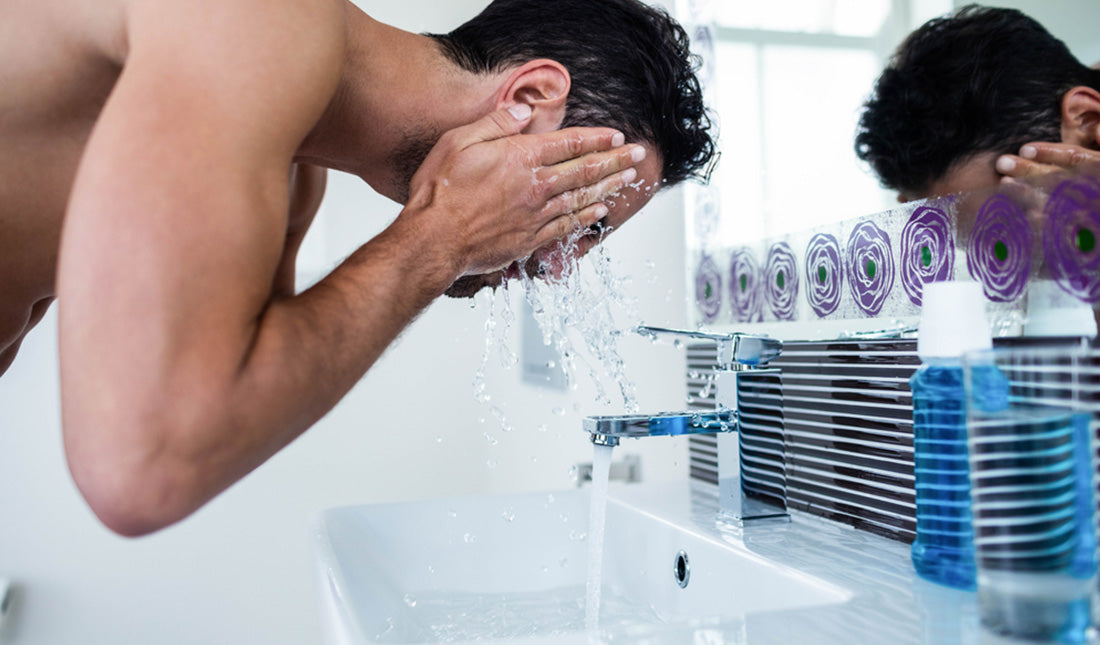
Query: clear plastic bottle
x=953 y=323
x=944 y=549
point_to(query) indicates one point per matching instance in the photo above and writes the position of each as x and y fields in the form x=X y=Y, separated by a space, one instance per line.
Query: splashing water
x=576 y=304
x=496 y=339
x=575 y=312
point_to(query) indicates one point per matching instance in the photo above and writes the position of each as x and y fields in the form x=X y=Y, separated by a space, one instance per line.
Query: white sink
x=513 y=569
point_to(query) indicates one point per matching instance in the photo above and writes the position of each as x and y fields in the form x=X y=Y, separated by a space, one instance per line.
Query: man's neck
x=395 y=85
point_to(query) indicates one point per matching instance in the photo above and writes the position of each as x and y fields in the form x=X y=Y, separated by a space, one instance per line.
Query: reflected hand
x=1042 y=158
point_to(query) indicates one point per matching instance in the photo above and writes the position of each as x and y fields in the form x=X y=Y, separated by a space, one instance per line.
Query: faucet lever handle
x=733 y=348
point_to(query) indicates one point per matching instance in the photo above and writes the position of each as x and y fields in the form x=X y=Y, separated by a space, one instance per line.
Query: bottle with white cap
x=953 y=323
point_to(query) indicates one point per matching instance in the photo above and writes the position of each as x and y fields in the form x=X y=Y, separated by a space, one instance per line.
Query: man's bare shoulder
x=266 y=66
x=244 y=20
x=273 y=30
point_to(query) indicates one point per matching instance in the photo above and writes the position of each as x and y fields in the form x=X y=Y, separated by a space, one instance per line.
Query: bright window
x=791 y=77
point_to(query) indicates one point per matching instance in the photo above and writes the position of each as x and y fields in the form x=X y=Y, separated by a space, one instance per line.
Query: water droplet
x=409 y=600
x=551 y=364
x=431 y=569
x=469 y=538
x=508 y=515
x=550 y=498
x=492 y=463
x=452 y=512
x=439 y=438
x=543 y=428
x=491 y=439
x=559 y=411
x=563 y=563
x=577 y=536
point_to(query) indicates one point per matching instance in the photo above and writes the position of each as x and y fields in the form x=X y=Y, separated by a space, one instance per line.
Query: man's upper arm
x=177 y=219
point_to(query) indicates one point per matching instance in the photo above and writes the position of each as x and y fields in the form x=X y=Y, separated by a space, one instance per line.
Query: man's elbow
x=136 y=505
x=132 y=496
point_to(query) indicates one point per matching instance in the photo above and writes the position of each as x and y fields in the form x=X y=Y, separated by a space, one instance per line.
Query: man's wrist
x=429 y=256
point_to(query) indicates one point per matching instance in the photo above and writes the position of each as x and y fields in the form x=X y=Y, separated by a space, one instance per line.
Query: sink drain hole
x=682 y=569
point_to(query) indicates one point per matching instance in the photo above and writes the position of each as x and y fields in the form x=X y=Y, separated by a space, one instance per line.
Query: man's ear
x=544 y=85
x=1081 y=117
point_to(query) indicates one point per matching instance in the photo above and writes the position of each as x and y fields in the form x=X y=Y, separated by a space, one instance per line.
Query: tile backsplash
x=834 y=432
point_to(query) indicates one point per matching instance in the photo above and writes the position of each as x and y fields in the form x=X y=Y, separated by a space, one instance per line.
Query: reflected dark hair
x=630 y=64
x=982 y=80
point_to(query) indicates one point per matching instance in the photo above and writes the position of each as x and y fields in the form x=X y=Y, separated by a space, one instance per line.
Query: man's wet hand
x=487 y=195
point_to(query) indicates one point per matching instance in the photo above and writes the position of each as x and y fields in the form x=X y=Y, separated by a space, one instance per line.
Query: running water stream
x=597 y=516
x=574 y=312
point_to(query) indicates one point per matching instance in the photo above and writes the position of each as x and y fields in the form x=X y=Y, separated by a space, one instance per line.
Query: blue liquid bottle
x=953 y=322
x=944 y=549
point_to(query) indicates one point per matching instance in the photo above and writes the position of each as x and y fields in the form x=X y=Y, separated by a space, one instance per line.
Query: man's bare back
x=59 y=61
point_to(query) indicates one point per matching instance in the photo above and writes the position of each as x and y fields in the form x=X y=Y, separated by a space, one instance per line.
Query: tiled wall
x=834 y=433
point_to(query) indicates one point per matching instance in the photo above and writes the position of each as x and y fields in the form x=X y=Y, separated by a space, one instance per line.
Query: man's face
x=973 y=173
x=548 y=261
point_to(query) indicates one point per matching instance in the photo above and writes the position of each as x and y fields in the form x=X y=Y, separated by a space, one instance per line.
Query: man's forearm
x=151 y=463
x=310 y=349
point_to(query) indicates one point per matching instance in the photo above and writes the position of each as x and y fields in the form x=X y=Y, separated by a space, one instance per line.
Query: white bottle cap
x=1051 y=311
x=953 y=320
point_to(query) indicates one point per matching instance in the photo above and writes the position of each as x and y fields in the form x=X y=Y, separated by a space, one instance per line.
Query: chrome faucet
x=737 y=355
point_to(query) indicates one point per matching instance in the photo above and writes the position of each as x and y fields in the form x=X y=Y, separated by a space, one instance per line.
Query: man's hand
x=487 y=196
x=1042 y=158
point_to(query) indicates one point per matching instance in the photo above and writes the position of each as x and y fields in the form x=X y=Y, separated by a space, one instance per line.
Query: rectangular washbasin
x=513 y=569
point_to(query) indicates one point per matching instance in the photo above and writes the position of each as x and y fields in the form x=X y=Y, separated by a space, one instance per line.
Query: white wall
x=239 y=570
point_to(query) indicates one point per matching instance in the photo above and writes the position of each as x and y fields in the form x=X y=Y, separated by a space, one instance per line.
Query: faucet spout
x=608 y=430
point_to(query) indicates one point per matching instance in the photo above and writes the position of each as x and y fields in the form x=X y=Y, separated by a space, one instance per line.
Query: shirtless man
x=161 y=161
x=977 y=97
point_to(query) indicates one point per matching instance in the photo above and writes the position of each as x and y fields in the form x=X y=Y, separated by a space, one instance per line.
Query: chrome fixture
x=682 y=569
x=738 y=356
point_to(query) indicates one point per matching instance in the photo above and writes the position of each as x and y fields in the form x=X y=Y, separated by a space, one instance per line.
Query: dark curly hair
x=630 y=64
x=982 y=80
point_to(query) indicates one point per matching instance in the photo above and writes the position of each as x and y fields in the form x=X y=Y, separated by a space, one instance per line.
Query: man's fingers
x=591 y=169
x=1065 y=155
x=563 y=225
x=570 y=143
x=579 y=198
x=495 y=125
x=1020 y=168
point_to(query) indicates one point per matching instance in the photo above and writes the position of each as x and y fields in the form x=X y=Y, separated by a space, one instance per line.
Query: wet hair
x=630 y=65
x=982 y=80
